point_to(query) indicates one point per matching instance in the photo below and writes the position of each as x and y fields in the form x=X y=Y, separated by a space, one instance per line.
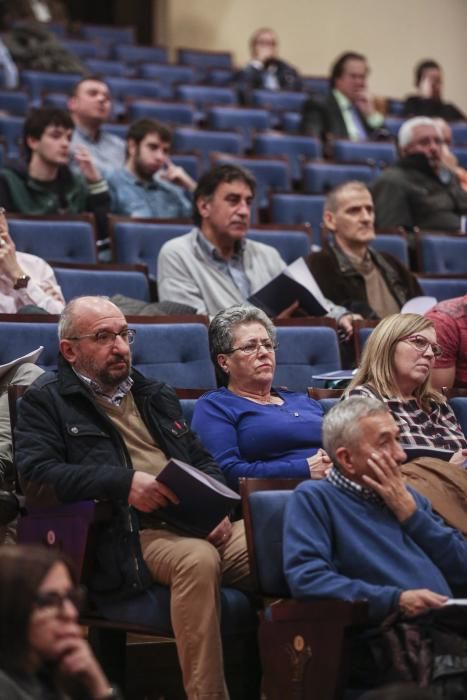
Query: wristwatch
x=21 y=282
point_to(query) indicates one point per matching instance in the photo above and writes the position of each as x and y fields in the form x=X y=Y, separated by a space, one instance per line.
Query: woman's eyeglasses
x=251 y=348
x=420 y=343
x=56 y=600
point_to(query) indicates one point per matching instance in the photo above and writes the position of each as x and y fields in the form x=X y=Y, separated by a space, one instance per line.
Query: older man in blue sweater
x=361 y=533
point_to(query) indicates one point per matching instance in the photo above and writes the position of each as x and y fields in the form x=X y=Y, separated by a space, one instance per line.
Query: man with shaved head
x=348 y=270
x=98 y=429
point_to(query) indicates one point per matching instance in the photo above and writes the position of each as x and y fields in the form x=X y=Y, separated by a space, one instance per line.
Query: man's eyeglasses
x=55 y=600
x=421 y=344
x=251 y=348
x=108 y=337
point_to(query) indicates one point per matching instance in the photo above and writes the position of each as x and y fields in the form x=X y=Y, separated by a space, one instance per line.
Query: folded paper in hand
x=295 y=283
x=204 y=501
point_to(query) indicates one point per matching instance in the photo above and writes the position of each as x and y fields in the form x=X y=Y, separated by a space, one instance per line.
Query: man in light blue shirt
x=90 y=106
x=150 y=185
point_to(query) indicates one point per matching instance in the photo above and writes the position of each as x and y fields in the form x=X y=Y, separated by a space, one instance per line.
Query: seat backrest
x=188 y=399
x=443 y=287
x=394 y=244
x=130 y=53
x=106 y=67
x=263 y=505
x=204 y=59
x=11 y=131
x=291 y=122
x=36 y=82
x=243 y=119
x=295 y=147
x=202 y=95
x=140 y=241
x=459 y=134
x=287 y=208
x=64 y=240
x=278 y=99
x=176 y=353
x=81 y=48
x=168 y=74
x=172 y=112
x=318 y=84
x=442 y=255
x=78 y=282
x=362 y=331
x=372 y=153
x=109 y=33
x=289 y=244
x=303 y=352
x=15 y=102
x=122 y=88
x=459 y=406
x=205 y=142
x=20 y=337
x=322 y=177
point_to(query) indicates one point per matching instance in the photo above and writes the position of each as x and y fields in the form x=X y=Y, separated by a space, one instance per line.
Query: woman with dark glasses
x=43 y=655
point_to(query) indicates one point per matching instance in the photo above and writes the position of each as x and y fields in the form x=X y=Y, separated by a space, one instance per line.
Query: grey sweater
x=186 y=274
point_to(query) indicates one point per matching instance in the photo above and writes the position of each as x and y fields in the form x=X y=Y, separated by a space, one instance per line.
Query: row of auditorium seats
x=307 y=348
x=182 y=358
x=138 y=241
x=136 y=98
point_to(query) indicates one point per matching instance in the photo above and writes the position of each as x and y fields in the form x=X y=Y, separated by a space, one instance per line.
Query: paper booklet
x=30 y=357
x=204 y=501
x=295 y=283
x=414 y=451
x=336 y=374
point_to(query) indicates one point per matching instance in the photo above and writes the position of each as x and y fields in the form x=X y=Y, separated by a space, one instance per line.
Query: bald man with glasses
x=98 y=429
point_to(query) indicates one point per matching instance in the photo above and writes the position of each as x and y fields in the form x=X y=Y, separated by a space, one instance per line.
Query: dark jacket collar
x=69 y=382
x=388 y=271
x=419 y=162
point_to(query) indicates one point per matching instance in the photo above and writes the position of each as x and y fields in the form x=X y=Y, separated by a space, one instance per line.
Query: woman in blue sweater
x=250 y=428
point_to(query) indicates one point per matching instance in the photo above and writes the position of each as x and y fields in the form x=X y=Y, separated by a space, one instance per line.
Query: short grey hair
x=222 y=327
x=333 y=198
x=405 y=135
x=341 y=424
x=66 y=322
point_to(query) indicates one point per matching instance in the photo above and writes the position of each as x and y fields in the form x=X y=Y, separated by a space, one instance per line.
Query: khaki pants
x=194 y=569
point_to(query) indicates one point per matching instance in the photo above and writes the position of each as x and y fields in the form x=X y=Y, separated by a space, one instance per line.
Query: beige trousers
x=194 y=569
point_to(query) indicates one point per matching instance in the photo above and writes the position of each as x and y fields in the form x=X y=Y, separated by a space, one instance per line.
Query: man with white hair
x=362 y=533
x=419 y=191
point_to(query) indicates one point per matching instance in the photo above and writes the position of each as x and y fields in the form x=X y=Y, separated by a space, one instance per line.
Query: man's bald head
x=82 y=308
x=95 y=341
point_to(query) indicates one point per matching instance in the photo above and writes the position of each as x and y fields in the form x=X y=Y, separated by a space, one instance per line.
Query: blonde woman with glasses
x=396 y=366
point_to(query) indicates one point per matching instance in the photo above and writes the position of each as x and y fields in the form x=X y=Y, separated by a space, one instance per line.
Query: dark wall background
x=115 y=12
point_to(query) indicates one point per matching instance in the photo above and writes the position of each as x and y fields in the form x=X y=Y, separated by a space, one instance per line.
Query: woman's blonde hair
x=376 y=367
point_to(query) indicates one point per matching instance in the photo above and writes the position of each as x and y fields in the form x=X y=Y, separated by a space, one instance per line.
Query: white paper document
x=300 y=272
x=30 y=357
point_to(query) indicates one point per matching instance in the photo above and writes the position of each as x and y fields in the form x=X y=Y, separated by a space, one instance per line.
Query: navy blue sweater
x=338 y=545
x=250 y=439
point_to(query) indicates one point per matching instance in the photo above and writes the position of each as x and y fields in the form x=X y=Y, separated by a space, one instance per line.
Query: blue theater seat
x=60 y=239
x=291 y=208
x=303 y=352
